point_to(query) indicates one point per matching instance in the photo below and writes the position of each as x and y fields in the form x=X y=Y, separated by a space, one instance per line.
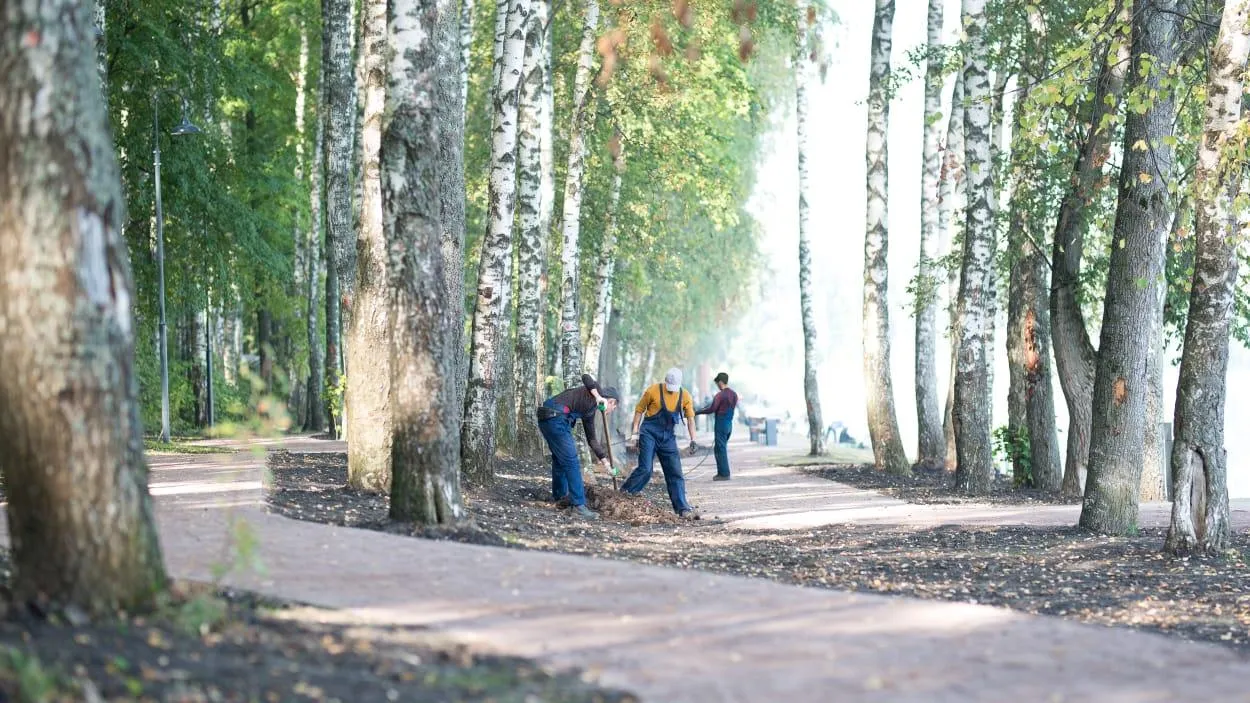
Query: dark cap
x=610 y=392
x=722 y=377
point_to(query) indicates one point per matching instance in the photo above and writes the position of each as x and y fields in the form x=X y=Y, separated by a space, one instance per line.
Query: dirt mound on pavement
x=636 y=510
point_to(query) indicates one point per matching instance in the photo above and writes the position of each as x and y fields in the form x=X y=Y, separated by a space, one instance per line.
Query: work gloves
x=693 y=449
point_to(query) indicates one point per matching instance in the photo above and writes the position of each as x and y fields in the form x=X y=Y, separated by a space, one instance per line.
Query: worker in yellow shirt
x=659 y=411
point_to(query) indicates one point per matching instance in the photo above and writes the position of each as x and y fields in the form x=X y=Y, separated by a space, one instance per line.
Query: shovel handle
x=607 y=442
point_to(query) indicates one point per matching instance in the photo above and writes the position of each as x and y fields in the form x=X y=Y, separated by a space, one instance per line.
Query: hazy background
x=766 y=354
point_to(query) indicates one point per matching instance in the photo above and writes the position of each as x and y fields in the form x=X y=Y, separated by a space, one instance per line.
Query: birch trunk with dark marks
x=339 y=112
x=1135 y=270
x=532 y=237
x=316 y=416
x=1154 y=448
x=570 y=316
x=425 y=448
x=300 y=243
x=450 y=104
x=505 y=402
x=100 y=35
x=478 y=434
x=804 y=71
x=1075 y=357
x=887 y=445
x=368 y=398
x=974 y=469
x=464 y=38
x=1200 y=517
x=607 y=264
x=71 y=445
x=931 y=446
x=951 y=195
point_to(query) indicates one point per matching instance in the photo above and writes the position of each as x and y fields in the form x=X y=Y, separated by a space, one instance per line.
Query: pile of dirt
x=635 y=510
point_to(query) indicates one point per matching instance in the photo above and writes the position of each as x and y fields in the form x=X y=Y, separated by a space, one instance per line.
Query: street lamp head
x=185 y=127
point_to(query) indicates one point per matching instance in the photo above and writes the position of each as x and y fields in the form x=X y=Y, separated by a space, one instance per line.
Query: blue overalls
x=656 y=436
x=724 y=427
x=566 y=468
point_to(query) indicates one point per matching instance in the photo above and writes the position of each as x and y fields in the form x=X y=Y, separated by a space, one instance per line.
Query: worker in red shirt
x=722 y=407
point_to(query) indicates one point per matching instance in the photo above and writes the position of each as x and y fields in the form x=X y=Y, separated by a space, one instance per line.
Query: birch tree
x=424 y=448
x=316 y=417
x=974 y=469
x=453 y=65
x=533 y=120
x=1200 y=517
x=478 y=433
x=570 y=327
x=71 y=445
x=1143 y=217
x=369 y=414
x=803 y=74
x=951 y=194
x=931 y=440
x=465 y=38
x=340 y=112
x=887 y=445
x=607 y=263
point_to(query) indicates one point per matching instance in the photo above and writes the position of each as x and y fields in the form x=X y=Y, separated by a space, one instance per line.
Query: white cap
x=672 y=380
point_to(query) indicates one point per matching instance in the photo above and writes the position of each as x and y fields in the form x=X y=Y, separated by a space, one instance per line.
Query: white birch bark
x=532 y=236
x=974 y=469
x=606 y=268
x=450 y=103
x=887 y=445
x=369 y=418
x=425 y=458
x=954 y=180
x=804 y=73
x=478 y=433
x=570 y=318
x=931 y=441
x=1199 y=460
x=316 y=354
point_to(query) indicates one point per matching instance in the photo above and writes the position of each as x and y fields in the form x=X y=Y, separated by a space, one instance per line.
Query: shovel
x=608 y=443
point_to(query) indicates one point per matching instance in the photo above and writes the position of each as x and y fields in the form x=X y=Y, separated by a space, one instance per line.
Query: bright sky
x=767 y=353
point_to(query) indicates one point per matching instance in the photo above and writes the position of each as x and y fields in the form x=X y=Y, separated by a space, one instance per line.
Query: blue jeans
x=566 y=468
x=653 y=441
x=724 y=428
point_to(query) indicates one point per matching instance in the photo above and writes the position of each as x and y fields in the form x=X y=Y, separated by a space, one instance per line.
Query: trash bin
x=753 y=430
x=770 y=432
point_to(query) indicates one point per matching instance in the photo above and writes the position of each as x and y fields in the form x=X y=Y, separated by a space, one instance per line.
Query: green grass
x=181 y=447
x=833 y=455
x=33 y=681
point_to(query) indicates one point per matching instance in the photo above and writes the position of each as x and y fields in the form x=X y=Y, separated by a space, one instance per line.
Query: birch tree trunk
x=464 y=37
x=100 y=16
x=1135 y=270
x=300 y=244
x=974 y=469
x=450 y=104
x=424 y=448
x=951 y=194
x=478 y=435
x=931 y=450
x=316 y=417
x=368 y=398
x=887 y=445
x=71 y=444
x=531 y=244
x=1199 y=460
x=570 y=317
x=1075 y=357
x=803 y=70
x=340 y=115
x=607 y=265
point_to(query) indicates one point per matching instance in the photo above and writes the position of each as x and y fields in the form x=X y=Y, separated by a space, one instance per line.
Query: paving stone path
x=674 y=636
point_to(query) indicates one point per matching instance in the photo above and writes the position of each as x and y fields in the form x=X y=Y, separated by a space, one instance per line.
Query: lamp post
x=184 y=128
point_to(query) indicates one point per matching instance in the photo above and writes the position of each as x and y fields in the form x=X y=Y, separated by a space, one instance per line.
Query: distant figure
x=722 y=408
x=556 y=418
x=660 y=409
x=836 y=430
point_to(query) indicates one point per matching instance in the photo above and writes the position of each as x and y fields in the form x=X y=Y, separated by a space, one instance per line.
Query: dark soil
x=1125 y=582
x=933 y=486
x=216 y=646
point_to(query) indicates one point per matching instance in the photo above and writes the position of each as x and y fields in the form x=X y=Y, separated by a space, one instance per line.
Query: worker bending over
x=722 y=407
x=659 y=410
x=556 y=418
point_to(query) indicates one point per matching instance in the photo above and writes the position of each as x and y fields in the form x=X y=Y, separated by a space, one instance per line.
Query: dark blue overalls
x=566 y=468
x=656 y=436
x=724 y=427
